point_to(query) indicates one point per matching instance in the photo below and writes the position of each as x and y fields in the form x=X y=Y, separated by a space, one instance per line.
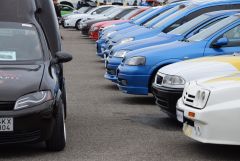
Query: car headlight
x=173 y=81
x=120 y=53
x=126 y=40
x=33 y=99
x=110 y=33
x=201 y=98
x=136 y=61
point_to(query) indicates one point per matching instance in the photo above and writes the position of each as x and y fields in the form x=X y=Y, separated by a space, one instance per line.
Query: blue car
x=187 y=13
x=159 y=14
x=136 y=72
x=183 y=32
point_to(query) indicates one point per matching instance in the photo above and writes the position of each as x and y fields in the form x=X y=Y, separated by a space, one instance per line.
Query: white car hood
x=203 y=67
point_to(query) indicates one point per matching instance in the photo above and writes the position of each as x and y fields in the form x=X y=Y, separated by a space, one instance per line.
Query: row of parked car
x=186 y=54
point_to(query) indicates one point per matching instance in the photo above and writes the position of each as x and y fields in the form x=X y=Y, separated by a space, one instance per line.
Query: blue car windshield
x=161 y=16
x=206 y=33
x=190 y=25
x=143 y=18
x=139 y=16
x=172 y=17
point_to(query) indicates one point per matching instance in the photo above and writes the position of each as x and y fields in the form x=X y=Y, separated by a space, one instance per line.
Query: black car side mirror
x=61 y=57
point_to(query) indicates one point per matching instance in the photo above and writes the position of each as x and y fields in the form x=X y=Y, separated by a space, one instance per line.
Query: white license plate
x=6 y=124
x=180 y=116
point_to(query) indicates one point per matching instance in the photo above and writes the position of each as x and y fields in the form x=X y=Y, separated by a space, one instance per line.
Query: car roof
x=41 y=13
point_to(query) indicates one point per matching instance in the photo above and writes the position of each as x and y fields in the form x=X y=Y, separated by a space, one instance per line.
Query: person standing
x=57 y=8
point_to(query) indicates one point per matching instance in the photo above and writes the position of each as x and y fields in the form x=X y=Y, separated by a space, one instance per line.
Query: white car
x=210 y=110
x=74 y=19
x=170 y=80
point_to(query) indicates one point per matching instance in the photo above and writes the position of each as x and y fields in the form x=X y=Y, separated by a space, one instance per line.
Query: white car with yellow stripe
x=170 y=80
x=210 y=110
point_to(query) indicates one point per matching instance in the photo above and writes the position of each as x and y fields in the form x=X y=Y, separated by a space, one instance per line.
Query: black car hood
x=18 y=80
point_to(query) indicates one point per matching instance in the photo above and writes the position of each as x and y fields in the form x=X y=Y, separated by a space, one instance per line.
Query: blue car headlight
x=33 y=99
x=136 y=61
x=126 y=40
x=120 y=53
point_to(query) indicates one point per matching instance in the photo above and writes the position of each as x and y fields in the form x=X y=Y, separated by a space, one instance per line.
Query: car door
x=233 y=45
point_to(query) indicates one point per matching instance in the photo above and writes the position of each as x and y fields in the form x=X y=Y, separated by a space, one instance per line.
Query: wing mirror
x=221 y=42
x=94 y=13
x=61 y=57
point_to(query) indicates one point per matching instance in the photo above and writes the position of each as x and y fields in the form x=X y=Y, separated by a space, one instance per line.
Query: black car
x=118 y=13
x=33 y=96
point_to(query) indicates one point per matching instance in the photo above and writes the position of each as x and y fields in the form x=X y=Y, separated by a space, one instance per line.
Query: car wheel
x=77 y=26
x=57 y=141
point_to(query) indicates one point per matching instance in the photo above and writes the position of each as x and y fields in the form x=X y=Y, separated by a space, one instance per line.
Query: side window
x=233 y=37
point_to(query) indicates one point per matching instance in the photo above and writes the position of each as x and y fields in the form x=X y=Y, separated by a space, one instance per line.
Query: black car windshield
x=204 y=34
x=174 y=16
x=19 y=42
x=190 y=25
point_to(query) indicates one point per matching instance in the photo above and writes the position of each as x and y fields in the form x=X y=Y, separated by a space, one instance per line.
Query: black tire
x=57 y=141
x=76 y=25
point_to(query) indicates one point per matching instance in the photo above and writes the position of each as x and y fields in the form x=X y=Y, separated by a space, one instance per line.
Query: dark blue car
x=183 y=32
x=136 y=72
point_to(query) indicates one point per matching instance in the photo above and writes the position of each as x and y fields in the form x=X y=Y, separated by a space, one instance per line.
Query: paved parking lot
x=104 y=124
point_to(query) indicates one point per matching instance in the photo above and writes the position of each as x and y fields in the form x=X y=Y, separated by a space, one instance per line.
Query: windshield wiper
x=185 y=40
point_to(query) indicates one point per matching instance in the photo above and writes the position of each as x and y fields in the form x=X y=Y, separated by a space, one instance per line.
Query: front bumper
x=68 y=23
x=215 y=124
x=93 y=35
x=166 y=99
x=135 y=84
x=85 y=30
x=100 y=47
x=30 y=125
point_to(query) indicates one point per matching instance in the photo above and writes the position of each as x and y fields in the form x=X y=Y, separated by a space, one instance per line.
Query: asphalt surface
x=106 y=125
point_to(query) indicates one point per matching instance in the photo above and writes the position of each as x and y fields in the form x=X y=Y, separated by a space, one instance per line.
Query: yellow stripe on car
x=233 y=60
x=233 y=77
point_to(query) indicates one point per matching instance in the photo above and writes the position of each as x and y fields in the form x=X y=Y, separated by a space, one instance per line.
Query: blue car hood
x=119 y=27
x=131 y=33
x=142 y=43
x=176 y=50
x=125 y=31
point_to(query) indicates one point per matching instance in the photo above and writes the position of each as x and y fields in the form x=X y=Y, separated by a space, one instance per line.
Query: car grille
x=7 y=106
x=188 y=99
x=20 y=137
x=111 y=71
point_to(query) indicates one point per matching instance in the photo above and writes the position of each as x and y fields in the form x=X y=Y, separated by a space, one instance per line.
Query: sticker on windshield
x=8 y=55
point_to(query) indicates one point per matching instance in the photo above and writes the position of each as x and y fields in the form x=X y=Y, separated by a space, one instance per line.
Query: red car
x=94 y=30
